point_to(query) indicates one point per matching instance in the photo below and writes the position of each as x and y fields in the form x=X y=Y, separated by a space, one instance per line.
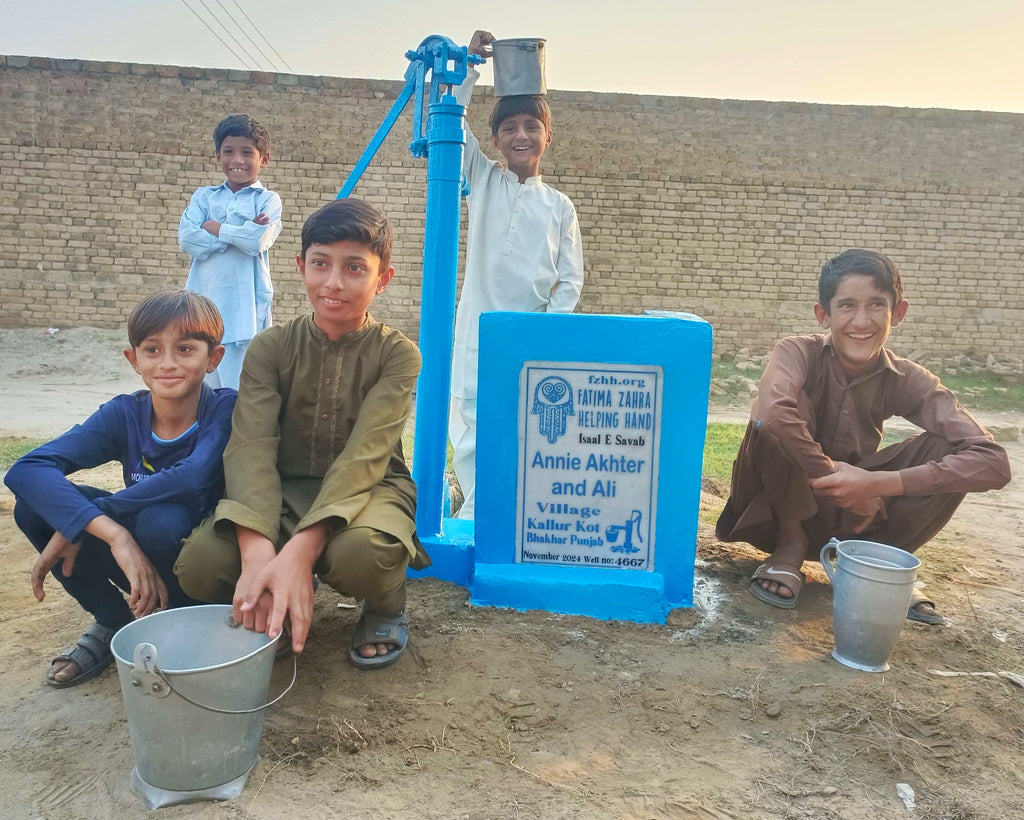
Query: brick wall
x=719 y=207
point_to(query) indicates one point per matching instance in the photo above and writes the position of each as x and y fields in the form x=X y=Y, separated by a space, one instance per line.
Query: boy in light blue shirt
x=228 y=229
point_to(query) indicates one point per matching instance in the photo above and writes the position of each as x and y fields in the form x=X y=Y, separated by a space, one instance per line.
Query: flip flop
x=91 y=653
x=932 y=618
x=372 y=628
x=786 y=574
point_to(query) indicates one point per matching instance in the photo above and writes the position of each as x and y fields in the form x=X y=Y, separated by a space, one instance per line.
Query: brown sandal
x=786 y=574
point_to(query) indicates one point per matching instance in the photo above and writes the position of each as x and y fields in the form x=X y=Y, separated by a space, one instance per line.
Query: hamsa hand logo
x=552 y=401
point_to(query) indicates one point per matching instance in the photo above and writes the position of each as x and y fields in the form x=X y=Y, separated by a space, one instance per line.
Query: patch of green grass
x=721 y=444
x=891 y=436
x=12 y=448
x=982 y=390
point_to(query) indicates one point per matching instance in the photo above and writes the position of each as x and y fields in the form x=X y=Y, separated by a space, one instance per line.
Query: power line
x=260 y=33
x=255 y=47
x=228 y=32
x=215 y=34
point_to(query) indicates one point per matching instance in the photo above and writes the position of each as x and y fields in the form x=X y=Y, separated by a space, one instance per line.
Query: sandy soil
x=731 y=710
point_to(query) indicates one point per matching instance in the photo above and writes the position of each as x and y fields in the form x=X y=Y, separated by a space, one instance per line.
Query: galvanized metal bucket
x=195 y=688
x=872 y=587
x=519 y=66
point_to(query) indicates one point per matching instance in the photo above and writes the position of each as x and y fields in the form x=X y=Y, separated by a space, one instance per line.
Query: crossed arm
x=974 y=462
x=200 y=236
x=859 y=491
x=779 y=415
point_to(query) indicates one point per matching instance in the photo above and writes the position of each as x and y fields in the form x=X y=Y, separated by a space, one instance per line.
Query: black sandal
x=372 y=628
x=91 y=653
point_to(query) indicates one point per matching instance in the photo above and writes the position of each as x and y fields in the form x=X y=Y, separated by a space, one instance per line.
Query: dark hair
x=532 y=104
x=197 y=316
x=242 y=125
x=866 y=263
x=350 y=219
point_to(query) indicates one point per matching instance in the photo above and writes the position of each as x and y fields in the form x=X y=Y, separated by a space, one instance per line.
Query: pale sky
x=920 y=53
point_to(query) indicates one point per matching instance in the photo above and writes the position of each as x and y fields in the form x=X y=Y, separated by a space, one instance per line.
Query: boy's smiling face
x=241 y=161
x=341 y=280
x=522 y=139
x=173 y=365
x=860 y=317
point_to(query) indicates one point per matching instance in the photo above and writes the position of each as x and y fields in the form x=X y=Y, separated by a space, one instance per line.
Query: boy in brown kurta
x=316 y=480
x=809 y=467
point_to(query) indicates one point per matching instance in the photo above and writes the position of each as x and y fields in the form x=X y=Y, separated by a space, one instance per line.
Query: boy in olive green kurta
x=316 y=479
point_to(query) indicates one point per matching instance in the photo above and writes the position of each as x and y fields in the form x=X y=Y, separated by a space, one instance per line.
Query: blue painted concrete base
x=451 y=553
x=625 y=594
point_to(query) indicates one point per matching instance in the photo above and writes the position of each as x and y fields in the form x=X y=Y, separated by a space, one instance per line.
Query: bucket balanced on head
x=519 y=67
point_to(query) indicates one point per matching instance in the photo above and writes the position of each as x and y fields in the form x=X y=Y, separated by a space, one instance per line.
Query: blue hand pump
x=442 y=146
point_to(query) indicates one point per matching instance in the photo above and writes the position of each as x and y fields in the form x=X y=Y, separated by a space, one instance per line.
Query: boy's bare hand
x=262 y=219
x=850 y=485
x=480 y=43
x=857 y=490
x=58 y=548
x=287 y=581
x=212 y=226
x=257 y=552
x=147 y=587
x=148 y=590
x=868 y=511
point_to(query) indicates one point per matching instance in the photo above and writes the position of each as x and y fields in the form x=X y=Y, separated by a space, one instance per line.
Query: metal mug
x=872 y=585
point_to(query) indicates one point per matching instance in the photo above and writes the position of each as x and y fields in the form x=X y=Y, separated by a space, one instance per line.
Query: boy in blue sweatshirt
x=170 y=441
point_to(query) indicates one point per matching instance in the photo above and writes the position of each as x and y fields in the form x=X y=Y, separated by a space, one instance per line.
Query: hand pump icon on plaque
x=631 y=528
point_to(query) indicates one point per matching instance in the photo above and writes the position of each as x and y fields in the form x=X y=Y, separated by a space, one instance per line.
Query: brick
x=723 y=208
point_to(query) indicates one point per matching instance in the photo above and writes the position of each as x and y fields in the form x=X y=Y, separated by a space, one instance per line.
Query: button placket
x=513 y=223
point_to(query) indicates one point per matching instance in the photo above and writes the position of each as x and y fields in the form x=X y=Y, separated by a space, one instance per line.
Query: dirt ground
x=732 y=709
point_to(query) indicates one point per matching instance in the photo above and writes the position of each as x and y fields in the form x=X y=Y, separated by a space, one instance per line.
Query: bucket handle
x=295 y=672
x=829 y=553
x=146 y=668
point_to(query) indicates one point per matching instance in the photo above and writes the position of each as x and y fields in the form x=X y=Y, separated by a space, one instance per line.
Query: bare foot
x=924 y=612
x=373 y=650
x=63 y=670
x=85 y=660
x=378 y=640
x=775 y=587
x=789 y=552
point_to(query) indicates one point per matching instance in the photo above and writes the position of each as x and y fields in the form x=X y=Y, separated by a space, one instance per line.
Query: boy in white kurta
x=523 y=253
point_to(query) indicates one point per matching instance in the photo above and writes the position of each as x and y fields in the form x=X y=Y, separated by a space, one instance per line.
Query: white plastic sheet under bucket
x=519 y=66
x=195 y=691
x=872 y=585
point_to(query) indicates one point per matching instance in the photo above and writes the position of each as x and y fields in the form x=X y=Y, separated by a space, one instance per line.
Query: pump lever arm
x=382 y=132
x=447 y=64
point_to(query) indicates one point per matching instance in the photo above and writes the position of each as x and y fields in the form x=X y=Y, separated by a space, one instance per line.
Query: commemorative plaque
x=588 y=464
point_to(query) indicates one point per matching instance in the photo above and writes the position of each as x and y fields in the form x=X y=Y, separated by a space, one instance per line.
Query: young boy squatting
x=523 y=251
x=228 y=229
x=809 y=467
x=169 y=440
x=316 y=479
